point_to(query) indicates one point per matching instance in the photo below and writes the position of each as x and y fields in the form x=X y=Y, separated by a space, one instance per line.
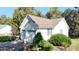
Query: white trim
x=25 y=20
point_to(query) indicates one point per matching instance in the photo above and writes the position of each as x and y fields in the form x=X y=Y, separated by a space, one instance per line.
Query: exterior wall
x=25 y=34
x=61 y=26
x=5 y=31
x=22 y=28
x=23 y=23
x=44 y=33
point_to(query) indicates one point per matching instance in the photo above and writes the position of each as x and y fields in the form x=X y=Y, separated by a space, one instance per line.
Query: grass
x=75 y=44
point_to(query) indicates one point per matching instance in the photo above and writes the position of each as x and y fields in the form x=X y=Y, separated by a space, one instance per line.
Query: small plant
x=60 y=40
x=64 y=45
x=40 y=43
x=45 y=45
x=36 y=40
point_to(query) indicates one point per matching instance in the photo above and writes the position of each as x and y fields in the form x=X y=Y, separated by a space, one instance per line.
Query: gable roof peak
x=44 y=22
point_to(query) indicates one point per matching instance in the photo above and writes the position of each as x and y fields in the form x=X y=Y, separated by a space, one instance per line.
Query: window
x=49 y=32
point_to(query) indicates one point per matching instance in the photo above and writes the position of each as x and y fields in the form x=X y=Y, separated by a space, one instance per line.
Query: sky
x=8 y=11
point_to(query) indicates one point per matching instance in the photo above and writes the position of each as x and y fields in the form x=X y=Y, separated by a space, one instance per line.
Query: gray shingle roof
x=45 y=23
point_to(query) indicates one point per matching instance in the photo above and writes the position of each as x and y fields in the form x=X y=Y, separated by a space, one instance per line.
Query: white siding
x=23 y=23
x=25 y=34
x=44 y=33
x=6 y=30
x=61 y=27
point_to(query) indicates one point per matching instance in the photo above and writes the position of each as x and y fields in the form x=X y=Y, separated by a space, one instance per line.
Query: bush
x=7 y=38
x=60 y=40
x=39 y=42
x=38 y=37
x=45 y=45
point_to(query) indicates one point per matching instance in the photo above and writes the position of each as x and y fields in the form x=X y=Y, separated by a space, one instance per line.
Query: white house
x=33 y=24
x=5 y=30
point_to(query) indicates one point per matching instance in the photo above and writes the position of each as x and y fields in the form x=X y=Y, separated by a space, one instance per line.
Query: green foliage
x=18 y=16
x=38 y=37
x=60 y=40
x=45 y=45
x=7 y=38
x=38 y=42
x=38 y=13
x=4 y=19
x=53 y=13
x=66 y=12
x=20 y=13
x=65 y=45
x=72 y=18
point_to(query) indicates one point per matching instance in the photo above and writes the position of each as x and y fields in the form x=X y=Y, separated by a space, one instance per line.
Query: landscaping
x=7 y=38
x=9 y=43
x=46 y=46
x=75 y=45
x=57 y=42
x=60 y=40
x=39 y=42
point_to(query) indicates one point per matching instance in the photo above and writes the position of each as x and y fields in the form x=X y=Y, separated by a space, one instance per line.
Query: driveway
x=11 y=46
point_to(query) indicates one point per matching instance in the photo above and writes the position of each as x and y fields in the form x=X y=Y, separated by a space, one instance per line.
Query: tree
x=38 y=13
x=48 y=15
x=19 y=14
x=66 y=12
x=4 y=19
x=72 y=18
x=76 y=24
x=38 y=37
x=53 y=13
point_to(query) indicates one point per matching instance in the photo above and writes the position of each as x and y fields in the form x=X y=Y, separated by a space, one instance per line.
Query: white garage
x=5 y=30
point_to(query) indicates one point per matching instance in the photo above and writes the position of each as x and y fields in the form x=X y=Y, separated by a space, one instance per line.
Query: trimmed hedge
x=7 y=38
x=45 y=45
x=60 y=40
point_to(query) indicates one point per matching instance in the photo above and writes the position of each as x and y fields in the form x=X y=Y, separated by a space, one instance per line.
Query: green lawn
x=75 y=44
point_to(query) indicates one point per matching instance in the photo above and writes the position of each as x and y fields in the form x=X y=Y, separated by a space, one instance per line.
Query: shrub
x=39 y=42
x=45 y=45
x=60 y=40
x=38 y=37
x=7 y=38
